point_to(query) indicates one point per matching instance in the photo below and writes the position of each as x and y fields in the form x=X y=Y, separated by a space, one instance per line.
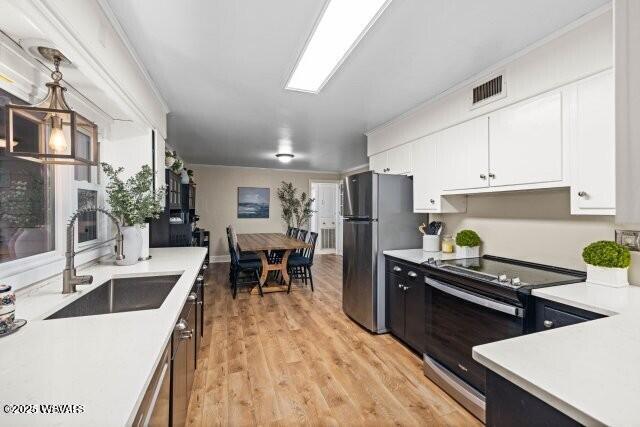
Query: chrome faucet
x=69 y=278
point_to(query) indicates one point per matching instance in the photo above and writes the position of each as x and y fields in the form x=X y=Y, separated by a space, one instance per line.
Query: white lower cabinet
x=427 y=186
x=525 y=142
x=593 y=147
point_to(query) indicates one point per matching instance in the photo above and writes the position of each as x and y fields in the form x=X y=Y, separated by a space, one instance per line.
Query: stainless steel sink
x=120 y=295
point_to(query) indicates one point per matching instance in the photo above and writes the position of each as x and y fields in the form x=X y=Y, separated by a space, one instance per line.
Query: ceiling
x=222 y=67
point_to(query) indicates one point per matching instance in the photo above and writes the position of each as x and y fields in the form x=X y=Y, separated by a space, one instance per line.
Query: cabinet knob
x=412 y=274
x=181 y=325
x=582 y=193
x=483 y=176
x=186 y=335
x=432 y=201
x=399 y=285
x=396 y=268
x=492 y=175
x=192 y=297
x=404 y=288
x=548 y=324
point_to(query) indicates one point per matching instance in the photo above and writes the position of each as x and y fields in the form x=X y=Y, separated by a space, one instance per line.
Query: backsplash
x=534 y=226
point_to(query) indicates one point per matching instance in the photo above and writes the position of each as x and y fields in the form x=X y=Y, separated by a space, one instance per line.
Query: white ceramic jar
x=7 y=308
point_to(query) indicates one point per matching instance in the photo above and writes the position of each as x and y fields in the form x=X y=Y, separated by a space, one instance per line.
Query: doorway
x=325 y=219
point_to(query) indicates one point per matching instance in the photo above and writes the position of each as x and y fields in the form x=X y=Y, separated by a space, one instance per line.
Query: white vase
x=613 y=277
x=467 y=251
x=184 y=177
x=131 y=245
x=144 y=252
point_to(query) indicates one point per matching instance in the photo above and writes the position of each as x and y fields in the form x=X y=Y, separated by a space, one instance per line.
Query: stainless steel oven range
x=476 y=301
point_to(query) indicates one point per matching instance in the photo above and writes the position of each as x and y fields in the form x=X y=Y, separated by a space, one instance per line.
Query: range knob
x=515 y=281
x=503 y=278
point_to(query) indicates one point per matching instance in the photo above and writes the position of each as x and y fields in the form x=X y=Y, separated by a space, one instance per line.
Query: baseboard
x=220 y=258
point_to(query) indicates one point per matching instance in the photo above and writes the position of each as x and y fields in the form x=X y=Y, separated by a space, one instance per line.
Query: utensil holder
x=430 y=243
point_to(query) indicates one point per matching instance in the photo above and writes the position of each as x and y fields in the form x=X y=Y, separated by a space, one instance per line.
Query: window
x=27 y=205
x=87 y=222
x=83 y=145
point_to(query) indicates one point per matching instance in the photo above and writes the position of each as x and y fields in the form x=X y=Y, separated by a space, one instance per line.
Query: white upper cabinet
x=463 y=155
x=427 y=188
x=378 y=162
x=399 y=160
x=593 y=147
x=396 y=161
x=526 y=142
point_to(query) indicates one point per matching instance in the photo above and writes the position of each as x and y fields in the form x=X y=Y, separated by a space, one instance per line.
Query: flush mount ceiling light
x=50 y=131
x=342 y=25
x=285 y=157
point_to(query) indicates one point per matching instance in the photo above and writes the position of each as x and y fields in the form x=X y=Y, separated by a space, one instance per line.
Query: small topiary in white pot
x=468 y=244
x=607 y=263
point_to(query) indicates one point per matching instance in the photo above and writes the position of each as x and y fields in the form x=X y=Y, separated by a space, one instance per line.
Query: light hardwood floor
x=297 y=359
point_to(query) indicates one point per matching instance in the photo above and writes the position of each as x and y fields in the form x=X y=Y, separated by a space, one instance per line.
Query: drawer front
x=551 y=315
x=407 y=272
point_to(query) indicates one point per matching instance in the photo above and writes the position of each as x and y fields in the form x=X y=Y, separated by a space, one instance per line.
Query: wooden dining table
x=263 y=243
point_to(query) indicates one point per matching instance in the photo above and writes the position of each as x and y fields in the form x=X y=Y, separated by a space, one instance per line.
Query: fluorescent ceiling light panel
x=342 y=25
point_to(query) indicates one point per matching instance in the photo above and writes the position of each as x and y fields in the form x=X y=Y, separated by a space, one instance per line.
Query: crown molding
x=268 y=169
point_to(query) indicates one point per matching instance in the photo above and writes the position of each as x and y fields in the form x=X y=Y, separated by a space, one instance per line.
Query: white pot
x=613 y=277
x=467 y=251
x=131 y=245
x=184 y=177
x=144 y=253
x=430 y=243
x=168 y=161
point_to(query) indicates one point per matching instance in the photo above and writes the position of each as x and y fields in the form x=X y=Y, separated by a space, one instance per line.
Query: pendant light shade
x=51 y=132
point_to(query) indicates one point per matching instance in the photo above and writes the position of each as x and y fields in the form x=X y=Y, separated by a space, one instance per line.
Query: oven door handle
x=475 y=299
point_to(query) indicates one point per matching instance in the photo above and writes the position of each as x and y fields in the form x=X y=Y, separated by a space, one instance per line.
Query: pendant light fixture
x=51 y=132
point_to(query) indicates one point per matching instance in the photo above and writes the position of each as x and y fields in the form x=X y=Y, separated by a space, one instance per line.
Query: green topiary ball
x=468 y=238
x=606 y=254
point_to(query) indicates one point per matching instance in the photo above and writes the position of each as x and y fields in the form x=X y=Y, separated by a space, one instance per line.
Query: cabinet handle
x=181 y=325
x=582 y=193
x=412 y=274
x=492 y=175
x=400 y=285
x=404 y=288
x=461 y=366
x=432 y=201
x=548 y=324
x=192 y=297
x=186 y=335
x=204 y=267
x=200 y=278
x=396 y=268
x=483 y=176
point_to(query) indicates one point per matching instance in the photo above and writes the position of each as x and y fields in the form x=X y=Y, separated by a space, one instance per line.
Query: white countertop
x=418 y=256
x=103 y=363
x=589 y=371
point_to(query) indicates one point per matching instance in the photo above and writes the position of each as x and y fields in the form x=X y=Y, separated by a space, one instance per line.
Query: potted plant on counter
x=607 y=263
x=468 y=244
x=133 y=202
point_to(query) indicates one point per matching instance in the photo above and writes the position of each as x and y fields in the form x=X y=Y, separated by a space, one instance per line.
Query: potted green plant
x=607 y=263
x=169 y=158
x=468 y=244
x=295 y=210
x=133 y=202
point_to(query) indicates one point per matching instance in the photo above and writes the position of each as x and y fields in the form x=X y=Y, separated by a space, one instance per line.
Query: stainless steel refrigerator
x=377 y=212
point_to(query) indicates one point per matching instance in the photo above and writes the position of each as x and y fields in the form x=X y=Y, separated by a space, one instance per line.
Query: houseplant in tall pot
x=133 y=202
x=607 y=263
x=468 y=244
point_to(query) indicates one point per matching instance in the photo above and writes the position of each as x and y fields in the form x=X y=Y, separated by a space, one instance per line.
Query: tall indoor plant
x=133 y=202
x=295 y=210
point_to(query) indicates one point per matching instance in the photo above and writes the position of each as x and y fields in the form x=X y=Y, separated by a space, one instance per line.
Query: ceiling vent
x=489 y=91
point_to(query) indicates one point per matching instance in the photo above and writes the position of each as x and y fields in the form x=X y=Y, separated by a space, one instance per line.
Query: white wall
x=534 y=226
x=579 y=52
x=217 y=195
x=627 y=54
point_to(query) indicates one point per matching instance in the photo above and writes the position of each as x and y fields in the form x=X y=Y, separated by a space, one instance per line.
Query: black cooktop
x=510 y=273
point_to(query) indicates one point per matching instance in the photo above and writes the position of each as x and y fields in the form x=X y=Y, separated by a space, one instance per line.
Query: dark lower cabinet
x=508 y=405
x=406 y=303
x=551 y=315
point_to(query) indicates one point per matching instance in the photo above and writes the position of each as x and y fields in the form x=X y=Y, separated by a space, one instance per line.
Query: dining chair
x=251 y=268
x=232 y=242
x=289 y=231
x=299 y=265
